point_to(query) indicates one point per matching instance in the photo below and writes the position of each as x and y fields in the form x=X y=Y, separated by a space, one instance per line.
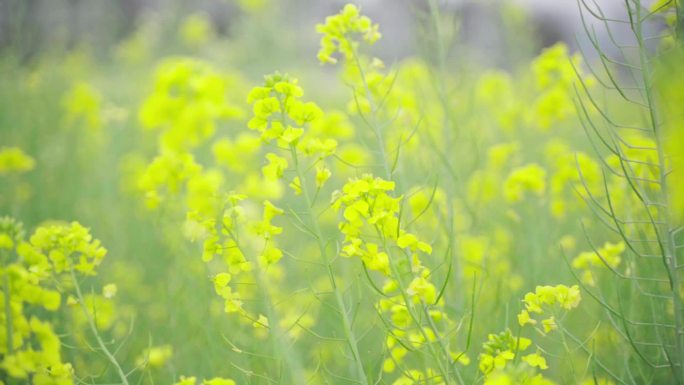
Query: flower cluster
x=155 y=356
x=366 y=203
x=503 y=359
x=500 y=349
x=543 y=300
x=339 y=30
x=221 y=237
x=166 y=176
x=555 y=74
x=84 y=106
x=609 y=255
x=370 y=212
x=278 y=111
x=528 y=178
x=29 y=345
x=570 y=168
x=14 y=161
x=61 y=248
x=188 y=101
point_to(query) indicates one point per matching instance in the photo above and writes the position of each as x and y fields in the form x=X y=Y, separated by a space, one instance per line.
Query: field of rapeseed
x=190 y=206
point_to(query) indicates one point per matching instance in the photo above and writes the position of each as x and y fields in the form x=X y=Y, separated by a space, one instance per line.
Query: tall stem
x=670 y=249
x=373 y=122
x=93 y=328
x=8 y=313
x=388 y=174
x=346 y=322
x=412 y=313
x=277 y=336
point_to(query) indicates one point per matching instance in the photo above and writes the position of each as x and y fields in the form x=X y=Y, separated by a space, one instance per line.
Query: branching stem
x=93 y=329
x=669 y=244
x=346 y=322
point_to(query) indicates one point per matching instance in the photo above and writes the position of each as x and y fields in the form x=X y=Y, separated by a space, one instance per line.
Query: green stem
x=411 y=310
x=346 y=323
x=388 y=174
x=277 y=336
x=373 y=122
x=8 y=303
x=566 y=347
x=93 y=328
x=669 y=246
x=444 y=345
x=8 y=313
x=439 y=83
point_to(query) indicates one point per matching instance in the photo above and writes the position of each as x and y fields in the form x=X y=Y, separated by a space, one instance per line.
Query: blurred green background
x=74 y=73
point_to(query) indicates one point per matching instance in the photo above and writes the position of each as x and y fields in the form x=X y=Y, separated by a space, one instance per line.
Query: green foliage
x=393 y=225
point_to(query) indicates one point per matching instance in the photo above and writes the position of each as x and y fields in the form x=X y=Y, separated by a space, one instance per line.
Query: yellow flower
x=14 y=161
